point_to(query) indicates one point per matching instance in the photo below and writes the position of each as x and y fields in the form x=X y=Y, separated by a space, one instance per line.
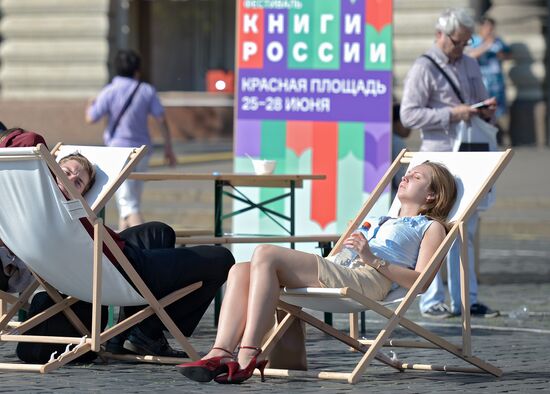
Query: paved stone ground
x=520 y=352
x=514 y=275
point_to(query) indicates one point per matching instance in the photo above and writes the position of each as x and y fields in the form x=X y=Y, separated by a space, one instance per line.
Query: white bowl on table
x=263 y=167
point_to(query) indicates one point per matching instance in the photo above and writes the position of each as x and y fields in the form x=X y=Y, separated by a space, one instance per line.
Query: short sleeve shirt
x=132 y=129
x=398 y=240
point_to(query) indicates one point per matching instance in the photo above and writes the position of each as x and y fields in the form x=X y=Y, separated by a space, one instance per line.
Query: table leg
x=292 y=208
x=218 y=208
x=218 y=232
x=326 y=247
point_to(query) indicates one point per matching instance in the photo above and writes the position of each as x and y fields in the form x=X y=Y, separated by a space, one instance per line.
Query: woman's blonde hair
x=86 y=165
x=443 y=187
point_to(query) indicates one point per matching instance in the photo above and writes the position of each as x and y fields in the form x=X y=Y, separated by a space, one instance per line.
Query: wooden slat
x=20 y=367
x=258 y=239
x=443 y=368
x=305 y=374
x=193 y=232
x=252 y=180
x=39 y=339
x=465 y=291
x=145 y=359
x=96 y=283
x=9 y=298
x=230 y=177
x=402 y=343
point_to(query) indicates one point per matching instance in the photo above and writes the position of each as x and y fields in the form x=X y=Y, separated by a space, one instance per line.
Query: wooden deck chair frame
x=92 y=340
x=127 y=161
x=371 y=349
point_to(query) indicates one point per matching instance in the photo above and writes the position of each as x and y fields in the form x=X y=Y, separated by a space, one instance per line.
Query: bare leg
x=233 y=311
x=122 y=224
x=134 y=219
x=272 y=267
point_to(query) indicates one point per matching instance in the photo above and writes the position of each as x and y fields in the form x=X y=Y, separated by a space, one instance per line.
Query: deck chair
x=44 y=229
x=476 y=172
x=113 y=164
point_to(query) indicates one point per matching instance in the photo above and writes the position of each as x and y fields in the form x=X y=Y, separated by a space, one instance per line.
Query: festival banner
x=313 y=92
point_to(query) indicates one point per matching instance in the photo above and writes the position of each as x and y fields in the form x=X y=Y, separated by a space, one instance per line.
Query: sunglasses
x=460 y=43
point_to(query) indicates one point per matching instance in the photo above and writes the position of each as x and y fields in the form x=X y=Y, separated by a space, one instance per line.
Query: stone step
x=22 y=7
x=77 y=75
x=56 y=26
x=412 y=6
x=66 y=51
x=17 y=92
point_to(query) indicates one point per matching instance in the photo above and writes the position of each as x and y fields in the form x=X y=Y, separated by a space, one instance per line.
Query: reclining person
x=397 y=251
x=150 y=248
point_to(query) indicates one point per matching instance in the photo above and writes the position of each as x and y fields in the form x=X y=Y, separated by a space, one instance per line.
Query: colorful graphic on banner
x=314 y=93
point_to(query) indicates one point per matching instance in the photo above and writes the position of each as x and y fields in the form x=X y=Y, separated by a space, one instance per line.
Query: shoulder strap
x=455 y=89
x=123 y=110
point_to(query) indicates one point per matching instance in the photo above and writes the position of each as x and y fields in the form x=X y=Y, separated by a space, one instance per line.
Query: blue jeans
x=436 y=292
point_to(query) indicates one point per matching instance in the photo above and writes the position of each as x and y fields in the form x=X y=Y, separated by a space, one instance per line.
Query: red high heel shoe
x=240 y=375
x=207 y=369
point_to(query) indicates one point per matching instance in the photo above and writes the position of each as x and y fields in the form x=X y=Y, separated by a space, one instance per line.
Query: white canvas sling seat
x=475 y=174
x=113 y=165
x=38 y=224
x=333 y=300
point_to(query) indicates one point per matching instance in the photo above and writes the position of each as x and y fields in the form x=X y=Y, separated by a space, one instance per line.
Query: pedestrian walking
x=127 y=102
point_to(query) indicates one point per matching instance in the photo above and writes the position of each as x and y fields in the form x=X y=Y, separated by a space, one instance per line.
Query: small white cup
x=263 y=167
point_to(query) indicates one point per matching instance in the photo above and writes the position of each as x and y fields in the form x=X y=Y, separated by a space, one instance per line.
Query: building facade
x=55 y=55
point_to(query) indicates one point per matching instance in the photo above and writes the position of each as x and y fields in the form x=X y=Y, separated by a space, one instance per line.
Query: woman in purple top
x=127 y=103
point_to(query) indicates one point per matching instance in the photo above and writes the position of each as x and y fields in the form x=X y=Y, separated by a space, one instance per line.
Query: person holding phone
x=443 y=88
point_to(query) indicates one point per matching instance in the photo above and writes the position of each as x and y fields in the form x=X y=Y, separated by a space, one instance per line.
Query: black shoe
x=141 y=344
x=437 y=311
x=115 y=345
x=481 y=310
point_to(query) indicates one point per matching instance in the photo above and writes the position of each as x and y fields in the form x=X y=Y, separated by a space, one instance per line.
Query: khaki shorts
x=365 y=280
